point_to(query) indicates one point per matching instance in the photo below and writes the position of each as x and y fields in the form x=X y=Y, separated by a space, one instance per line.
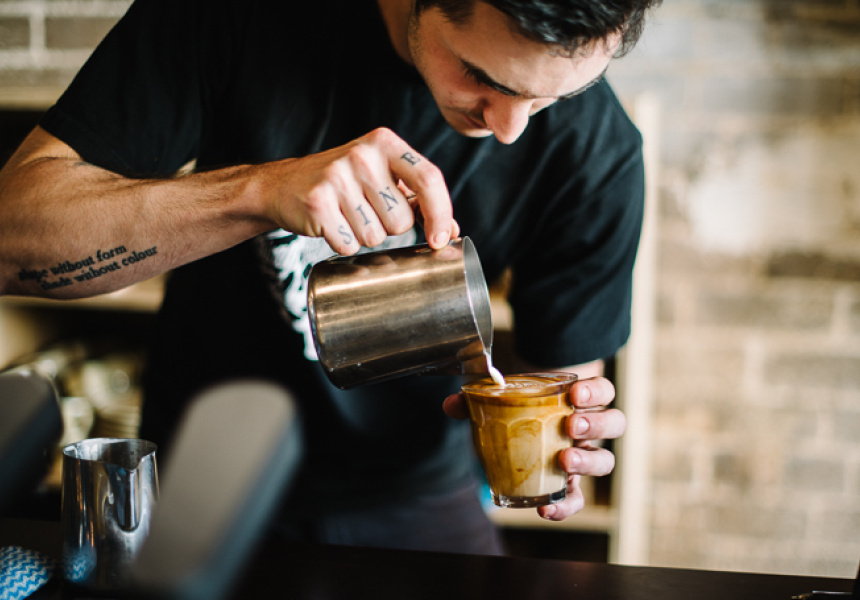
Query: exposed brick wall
x=756 y=438
x=756 y=448
x=44 y=42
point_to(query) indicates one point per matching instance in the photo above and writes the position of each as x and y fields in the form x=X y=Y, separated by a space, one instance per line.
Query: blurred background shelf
x=593 y=518
x=28 y=325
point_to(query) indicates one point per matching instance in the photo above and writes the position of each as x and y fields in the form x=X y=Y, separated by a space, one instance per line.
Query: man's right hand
x=357 y=194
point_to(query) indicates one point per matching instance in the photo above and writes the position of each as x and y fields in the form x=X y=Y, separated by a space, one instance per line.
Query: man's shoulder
x=588 y=130
x=309 y=21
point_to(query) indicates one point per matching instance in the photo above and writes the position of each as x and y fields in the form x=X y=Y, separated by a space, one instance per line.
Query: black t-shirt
x=231 y=82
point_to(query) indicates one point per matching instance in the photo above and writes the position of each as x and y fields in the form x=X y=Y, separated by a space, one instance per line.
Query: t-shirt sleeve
x=136 y=106
x=571 y=291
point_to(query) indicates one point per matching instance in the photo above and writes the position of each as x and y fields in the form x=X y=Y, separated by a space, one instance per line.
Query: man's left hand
x=591 y=421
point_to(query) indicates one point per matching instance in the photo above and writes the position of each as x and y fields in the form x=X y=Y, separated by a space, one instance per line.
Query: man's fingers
x=455 y=229
x=572 y=503
x=391 y=207
x=438 y=222
x=578 y=462
x=357 y=194
x=591 y=393
x=419 y=218
x=387 y=199
x=586 y=460
x=426 y=181
x=596 y=424
x=364 y=224
x=455 y=406
x=341 y=237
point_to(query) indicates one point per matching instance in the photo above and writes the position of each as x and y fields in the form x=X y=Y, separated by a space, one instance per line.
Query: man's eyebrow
x=481 y=76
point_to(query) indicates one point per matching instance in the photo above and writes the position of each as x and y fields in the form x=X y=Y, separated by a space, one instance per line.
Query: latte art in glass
x=518 y=431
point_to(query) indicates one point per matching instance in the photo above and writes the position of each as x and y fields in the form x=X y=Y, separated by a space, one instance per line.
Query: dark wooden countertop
x=321 y=572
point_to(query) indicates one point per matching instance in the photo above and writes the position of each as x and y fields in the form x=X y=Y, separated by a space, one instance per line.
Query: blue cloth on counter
x=23 y=571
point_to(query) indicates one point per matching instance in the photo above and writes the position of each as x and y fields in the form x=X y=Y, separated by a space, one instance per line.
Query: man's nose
x=507 y=117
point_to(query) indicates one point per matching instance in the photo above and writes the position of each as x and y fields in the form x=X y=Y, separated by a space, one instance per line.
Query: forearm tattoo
x=69 y=272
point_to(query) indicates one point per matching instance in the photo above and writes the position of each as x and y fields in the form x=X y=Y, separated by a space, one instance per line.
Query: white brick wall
x=43 y=43
x=756 y=448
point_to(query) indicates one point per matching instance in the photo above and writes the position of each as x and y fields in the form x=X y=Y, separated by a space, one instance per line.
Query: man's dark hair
x=569 y=25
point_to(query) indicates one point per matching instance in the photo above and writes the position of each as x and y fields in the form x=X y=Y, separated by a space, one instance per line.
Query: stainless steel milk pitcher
x=400 y=311
x=109 y=490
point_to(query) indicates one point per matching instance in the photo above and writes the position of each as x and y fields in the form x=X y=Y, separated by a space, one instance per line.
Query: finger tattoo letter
x=347 y=236
x=411 y=158
x=360 y=210
x=390 y=199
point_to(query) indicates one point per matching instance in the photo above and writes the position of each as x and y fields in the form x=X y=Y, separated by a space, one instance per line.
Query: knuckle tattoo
x=360 y=210
x=389 y=198
x=345 y=235
x=411 y=158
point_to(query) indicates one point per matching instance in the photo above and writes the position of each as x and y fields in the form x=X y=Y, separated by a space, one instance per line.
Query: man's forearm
x=69 y=229
x=59 y=215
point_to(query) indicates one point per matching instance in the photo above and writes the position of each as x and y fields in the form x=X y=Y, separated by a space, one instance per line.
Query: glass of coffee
x=518 y=431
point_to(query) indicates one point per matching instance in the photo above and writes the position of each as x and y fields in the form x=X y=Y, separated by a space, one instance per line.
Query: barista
x=308 y=140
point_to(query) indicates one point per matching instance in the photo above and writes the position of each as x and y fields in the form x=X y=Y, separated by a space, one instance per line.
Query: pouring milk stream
x=495 y=374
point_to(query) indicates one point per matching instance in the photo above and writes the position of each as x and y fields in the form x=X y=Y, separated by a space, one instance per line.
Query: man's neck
x=395 y=14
